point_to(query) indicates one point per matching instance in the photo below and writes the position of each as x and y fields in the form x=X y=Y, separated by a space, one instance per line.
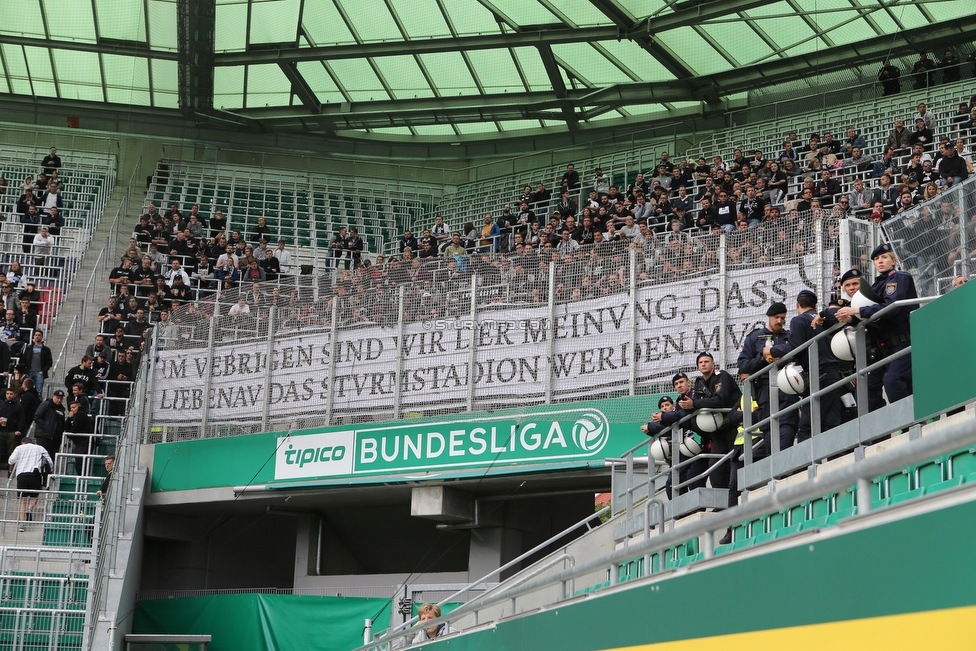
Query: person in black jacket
x=30 y=400
x=802 y=330
x=78 y=426
x=49 y=423
x=37 y=359
x=715 y=390
x=11 y=423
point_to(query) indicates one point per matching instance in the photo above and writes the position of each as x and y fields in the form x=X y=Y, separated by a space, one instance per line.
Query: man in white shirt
x=43 y=243
x=284 y=258
x=25 y=463
x=240 y=308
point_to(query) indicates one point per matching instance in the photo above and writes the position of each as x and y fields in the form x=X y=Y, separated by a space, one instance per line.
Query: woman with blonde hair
x=931 y=192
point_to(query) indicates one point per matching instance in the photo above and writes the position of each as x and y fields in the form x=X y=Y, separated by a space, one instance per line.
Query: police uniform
x=717 y=392
x=669 y=418
x=893 y=330
x=802 y=331
x=751 y=360
x=874 y=379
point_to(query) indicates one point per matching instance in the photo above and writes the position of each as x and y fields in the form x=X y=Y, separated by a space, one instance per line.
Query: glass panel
x=39 y=64
x=229 y=31
x=17 y=69
x=695 y=51
x=86 y=92
x=126 y=79
x=910 y=16
x=739 y=41
x=4 y=87
x=496 y=70
x=950 y=10
x=525 y=12
x=359 y=80
x=642 y=8
x=638 y=60
x=450 y=73
x=162 y=25
x=391 y=131
x=318 y=79
x=518 y=125
x=274 y=22
x=21 y=17
x=435 y=130
x=531 y=63
x=121 y=20
x=421 y=21
x=470 y=18
x=583 y=14
x=78 y=67
x=229 y=87
x=267 y=85
x=163 y=99
x=324 y=25
x=404 y=76
x=70 y=19
x=165 y=75
x=593 y=66
x=477 y=127
x=371 y=20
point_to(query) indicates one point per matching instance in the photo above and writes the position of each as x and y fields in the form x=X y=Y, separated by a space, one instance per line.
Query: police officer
x=802 y=330
x=714 y=390
x=850 y=283
x=892 y=331
x=669 y=414
x=752 y=359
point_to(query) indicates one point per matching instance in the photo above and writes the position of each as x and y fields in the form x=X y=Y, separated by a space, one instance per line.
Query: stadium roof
x=446 y=69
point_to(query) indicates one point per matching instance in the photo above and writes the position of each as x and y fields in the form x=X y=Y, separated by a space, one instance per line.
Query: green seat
x=962 y=463
x=721 y=549
x=897 y=483
x=814 y=523
x=941 y=486
x=758 y=539
x=842 y=514
x=782 y=532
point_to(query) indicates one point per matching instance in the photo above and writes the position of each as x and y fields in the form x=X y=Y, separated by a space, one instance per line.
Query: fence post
x=208 y=379
x=269 y=351
x=472 y=342
x=632 y=307
x=551 y=334
x=723 y=290
x=333 y=344
x=397 y=390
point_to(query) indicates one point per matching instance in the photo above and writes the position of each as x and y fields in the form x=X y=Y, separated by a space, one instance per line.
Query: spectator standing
x=12 y=424
x=37 y=359
x=51 y=162
x=26 y=463
x=49 y=423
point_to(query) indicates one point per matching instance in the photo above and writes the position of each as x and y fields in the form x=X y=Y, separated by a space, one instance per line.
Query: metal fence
x=437 y=336
x=936 y=240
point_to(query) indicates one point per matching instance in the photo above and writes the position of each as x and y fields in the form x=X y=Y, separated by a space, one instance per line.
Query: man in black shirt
x=571 y=179
x=51 y=162
x=715 y=390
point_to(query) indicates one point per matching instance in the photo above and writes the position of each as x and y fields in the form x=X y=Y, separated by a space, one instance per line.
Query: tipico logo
x=591 y=431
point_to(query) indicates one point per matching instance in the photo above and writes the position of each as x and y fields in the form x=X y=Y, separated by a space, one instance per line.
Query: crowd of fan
x=179 y=267
x=25 y=360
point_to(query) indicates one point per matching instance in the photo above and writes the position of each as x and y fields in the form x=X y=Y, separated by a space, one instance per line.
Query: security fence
x=936 y=240
x=486 y=330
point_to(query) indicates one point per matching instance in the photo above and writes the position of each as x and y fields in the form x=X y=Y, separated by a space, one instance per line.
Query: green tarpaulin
x=265 y=622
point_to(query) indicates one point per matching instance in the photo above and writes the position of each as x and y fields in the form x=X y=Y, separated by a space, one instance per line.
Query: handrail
x=753 y=428
x=954 y=436
x=513 y=562
x=49 y=386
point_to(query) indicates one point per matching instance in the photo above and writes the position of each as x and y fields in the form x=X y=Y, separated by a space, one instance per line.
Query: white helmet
x=865 y=296
x=690 y=446
x=842 y=344
x=708 y=421
x=661 y=450
x=790 y=380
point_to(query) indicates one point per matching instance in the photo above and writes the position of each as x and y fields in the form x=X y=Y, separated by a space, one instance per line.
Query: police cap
x=776 y=308
x=850 y=273
x=807 y=292
x=664 y=400
x=881 y=250
x=703 y=354
x=678 y=376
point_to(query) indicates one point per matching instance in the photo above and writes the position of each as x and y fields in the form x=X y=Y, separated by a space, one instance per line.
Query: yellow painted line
x=946 y=630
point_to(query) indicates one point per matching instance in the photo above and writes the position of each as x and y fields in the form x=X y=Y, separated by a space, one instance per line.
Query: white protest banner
x=590 y=345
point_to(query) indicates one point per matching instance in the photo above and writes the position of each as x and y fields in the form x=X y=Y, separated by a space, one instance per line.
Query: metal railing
x=947 y=439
